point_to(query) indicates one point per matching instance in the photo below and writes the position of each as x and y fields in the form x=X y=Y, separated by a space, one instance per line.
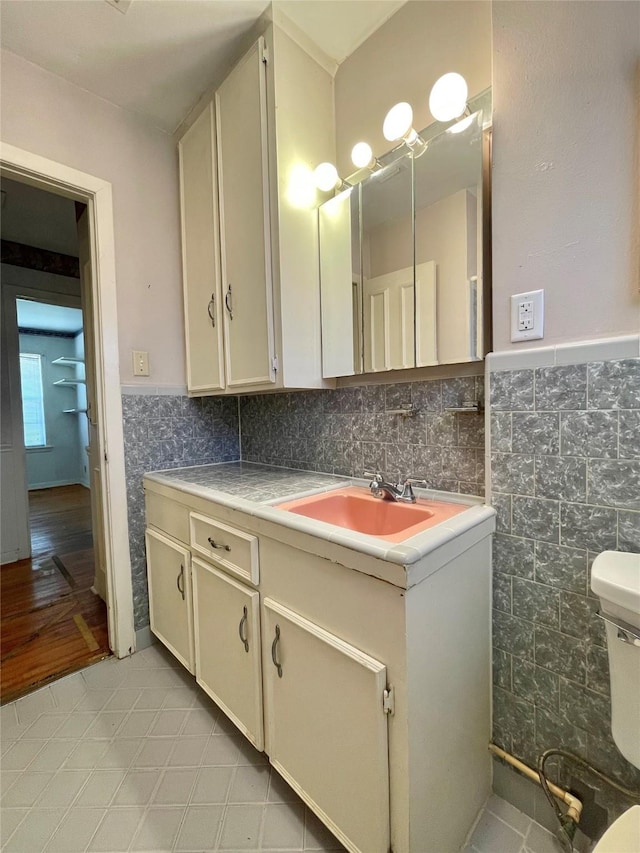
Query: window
x=32 y=400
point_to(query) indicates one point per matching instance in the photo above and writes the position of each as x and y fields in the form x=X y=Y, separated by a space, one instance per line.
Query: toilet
x=615 y=579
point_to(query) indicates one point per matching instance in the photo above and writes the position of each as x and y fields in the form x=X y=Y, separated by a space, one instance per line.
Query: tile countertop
x=255 y=490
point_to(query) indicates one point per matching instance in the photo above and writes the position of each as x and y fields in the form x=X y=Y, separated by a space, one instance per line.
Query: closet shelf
x=69 y=382
x=68 y=360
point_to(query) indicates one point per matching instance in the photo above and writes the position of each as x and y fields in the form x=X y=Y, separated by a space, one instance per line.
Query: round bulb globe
x=361 y=155
x=448 y=98
x=397 y=122
x=326 y=177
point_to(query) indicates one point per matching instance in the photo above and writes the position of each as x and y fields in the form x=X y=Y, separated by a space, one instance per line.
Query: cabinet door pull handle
x=218 y=545
x=180 y=578
x=211 y=310
x=228 y=303
x=242 y=629
x=274 y=652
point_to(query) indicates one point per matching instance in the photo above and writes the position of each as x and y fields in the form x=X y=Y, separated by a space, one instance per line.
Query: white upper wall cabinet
x=249 y=223
x=200 y=255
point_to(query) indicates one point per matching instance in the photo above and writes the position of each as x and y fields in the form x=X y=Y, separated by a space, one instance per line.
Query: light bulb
x=461 y=125
x=301 y=187
x=397 y=122
x=326 y=177
x=361 y=155
x=448 y=98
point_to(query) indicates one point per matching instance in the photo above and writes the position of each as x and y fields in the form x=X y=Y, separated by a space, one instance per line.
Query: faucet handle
x=407 y=491
x=413 y=481
x=377 y=477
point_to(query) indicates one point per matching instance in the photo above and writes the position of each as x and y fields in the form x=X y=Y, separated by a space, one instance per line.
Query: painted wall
x=59 y=463
x=402 y=60
x=34 y=217
x=565 y=182
x=83 y=424
x=69 y=125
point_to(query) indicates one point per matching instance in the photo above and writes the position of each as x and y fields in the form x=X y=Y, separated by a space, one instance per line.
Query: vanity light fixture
x=327 y=178
x=362 y=157
x=448 y=98
x=398 y=124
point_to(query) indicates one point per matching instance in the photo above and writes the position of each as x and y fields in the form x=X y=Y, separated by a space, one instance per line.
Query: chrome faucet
x=388 y=491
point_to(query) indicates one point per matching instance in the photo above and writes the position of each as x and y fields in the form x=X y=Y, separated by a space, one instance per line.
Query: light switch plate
x=527 y=316
x=140 y=363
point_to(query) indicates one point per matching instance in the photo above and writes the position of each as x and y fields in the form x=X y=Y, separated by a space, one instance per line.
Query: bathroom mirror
x=410 y=292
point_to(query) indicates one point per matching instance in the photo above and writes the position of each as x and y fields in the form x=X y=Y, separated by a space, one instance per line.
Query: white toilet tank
x=615 y=579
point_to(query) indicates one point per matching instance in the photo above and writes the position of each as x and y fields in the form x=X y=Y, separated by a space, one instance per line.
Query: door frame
x=96 y=193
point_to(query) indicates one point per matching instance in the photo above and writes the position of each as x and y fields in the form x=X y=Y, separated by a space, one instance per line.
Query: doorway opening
x=53 y=587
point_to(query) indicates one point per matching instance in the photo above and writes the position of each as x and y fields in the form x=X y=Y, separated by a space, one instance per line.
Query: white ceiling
x=48 y=318
x=338 y=27
x=162 y=55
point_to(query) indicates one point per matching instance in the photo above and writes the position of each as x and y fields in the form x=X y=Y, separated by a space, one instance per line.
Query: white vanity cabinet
x=367 y=683
x=249 y=233
x=228 y=647
x=170 y=608
x=327 y=727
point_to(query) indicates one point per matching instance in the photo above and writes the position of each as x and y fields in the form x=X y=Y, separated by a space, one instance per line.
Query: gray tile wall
x=565 y=478
x=169 y=432
x=349 y=431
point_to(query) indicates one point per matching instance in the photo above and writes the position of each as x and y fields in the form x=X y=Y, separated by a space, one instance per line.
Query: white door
x=200 y=255
x=169 y=577
x=243 y=176
x=389 y=321
x=326 y=726
x=227 y=647
x=426 y=317
x=14 y=503
x=94 y=450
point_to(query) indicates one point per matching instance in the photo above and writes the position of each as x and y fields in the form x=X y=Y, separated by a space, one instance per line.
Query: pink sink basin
x=356 y=509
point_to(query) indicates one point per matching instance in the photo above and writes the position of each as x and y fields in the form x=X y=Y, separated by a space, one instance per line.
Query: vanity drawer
x=167 y=515
x=233 y=549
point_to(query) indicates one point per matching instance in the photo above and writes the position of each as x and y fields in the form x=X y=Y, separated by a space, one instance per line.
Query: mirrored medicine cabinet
x=405 y=256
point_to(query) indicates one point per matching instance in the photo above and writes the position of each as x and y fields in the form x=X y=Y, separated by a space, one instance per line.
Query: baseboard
x=53 y=484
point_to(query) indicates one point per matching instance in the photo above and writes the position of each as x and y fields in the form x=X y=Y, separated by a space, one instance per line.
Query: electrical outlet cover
x=527 y=316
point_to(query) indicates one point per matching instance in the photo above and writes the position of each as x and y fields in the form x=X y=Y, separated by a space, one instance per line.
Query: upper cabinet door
x=245 y=227
x=200 y=255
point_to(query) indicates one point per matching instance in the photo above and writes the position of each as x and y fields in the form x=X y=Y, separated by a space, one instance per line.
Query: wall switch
x=527 y=316
x=140 y=363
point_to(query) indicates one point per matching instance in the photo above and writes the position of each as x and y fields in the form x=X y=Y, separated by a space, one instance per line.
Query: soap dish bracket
x=466 y=407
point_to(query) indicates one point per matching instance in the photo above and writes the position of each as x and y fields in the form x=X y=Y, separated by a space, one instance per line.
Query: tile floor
x=132 y=756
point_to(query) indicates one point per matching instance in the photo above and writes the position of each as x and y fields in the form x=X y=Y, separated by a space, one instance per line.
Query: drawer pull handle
x=242 y=628
x=274 y=652
x=180 y=578
x=218 y=545
x=211 y=307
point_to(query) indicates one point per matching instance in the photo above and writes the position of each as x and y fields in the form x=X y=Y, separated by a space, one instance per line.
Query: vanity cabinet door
x=326 y=726
x=227 y=647
x=200 y=255
x=245 y=225
x=169 y=577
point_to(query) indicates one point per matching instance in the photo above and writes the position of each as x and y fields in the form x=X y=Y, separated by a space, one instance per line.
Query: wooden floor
x=51 y=623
